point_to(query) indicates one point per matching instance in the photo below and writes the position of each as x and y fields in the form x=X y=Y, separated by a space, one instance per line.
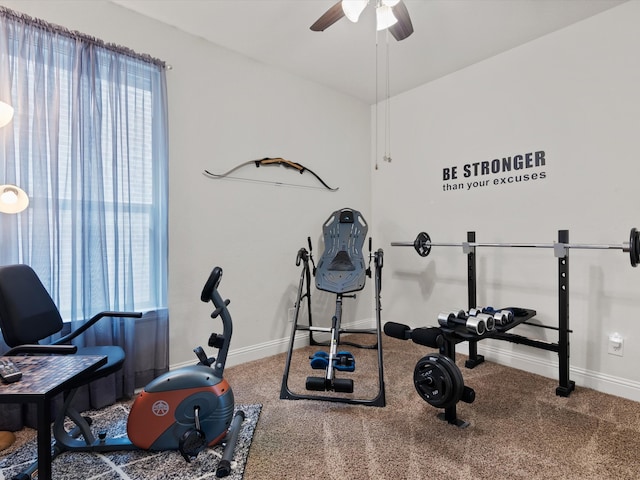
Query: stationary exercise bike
x=192 y=407
x=186 y=409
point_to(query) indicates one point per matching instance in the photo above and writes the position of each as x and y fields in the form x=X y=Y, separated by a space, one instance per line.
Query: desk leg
x=44 y=440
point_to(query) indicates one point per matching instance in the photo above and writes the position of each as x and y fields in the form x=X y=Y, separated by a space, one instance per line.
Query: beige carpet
x=519 y=428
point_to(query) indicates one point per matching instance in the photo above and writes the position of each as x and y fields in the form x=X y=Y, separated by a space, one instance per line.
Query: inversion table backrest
x=341 y=268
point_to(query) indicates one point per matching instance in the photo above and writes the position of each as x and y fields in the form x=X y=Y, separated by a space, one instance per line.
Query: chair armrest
x=80 y=330
x=42 y=349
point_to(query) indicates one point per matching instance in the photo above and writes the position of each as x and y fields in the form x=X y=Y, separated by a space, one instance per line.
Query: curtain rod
x=75 y=35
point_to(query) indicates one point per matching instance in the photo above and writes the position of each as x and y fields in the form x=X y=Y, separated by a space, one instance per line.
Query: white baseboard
x=274 y=347
x=266 y=349
x=620 y=387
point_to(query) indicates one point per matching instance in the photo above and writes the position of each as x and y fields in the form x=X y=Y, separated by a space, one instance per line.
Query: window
x=89 y=145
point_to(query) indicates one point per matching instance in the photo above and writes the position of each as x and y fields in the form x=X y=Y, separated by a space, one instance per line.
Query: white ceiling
x=449 y=35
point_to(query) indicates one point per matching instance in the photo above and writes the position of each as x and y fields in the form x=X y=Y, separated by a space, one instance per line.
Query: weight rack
x=452 y=337
x=566 y=386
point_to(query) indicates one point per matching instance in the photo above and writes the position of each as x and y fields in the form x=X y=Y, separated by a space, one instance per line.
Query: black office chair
x=28 y=316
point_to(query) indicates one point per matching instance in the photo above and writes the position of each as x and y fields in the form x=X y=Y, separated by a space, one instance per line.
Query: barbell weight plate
x=636 y=236
x=432 y=381
x=458 y=381
x=422 y=244
x=438 y=381
x=634 y=247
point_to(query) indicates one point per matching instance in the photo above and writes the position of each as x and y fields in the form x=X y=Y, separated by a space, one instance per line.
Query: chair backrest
x=27 y=312
x=342 y=268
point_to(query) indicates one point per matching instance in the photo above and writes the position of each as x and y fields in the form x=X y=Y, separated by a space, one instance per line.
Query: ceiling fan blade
x=330 y=17
x=403 y=28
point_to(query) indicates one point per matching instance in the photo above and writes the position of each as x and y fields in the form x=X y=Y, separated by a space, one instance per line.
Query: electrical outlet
x=616 y=345
x=292 y=314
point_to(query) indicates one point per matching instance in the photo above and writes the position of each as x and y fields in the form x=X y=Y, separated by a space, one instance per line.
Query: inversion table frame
x=341 y=270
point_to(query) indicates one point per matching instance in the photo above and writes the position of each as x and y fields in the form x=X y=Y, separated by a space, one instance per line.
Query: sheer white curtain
x=88 y=143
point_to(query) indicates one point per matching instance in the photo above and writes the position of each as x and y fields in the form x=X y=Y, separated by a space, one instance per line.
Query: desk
x=43 y=377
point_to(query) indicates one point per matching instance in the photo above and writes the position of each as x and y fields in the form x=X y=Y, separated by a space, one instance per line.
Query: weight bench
x=342 y=271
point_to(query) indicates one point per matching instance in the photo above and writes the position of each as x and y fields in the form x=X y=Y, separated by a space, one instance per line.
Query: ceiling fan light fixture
x=390 y=14
x=353 y=8
x=385 y=17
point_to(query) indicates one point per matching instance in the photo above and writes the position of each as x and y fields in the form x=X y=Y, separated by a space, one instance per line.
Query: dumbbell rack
x=454 y=336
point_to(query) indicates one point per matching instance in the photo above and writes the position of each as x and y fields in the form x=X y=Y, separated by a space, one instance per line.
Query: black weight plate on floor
x=434 y=381
x=422 y=244
x=458 y=381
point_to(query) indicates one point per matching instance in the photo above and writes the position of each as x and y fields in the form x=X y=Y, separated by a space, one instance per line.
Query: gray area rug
x=133 y=465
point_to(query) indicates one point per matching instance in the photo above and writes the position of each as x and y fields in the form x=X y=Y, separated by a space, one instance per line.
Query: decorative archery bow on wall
x=272 y=161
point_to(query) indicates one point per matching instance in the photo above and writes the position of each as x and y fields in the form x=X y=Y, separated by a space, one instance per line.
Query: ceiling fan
x=391 y=14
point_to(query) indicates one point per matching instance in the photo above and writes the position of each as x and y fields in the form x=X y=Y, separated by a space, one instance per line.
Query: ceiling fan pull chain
x=387 y=133
x=377 y=104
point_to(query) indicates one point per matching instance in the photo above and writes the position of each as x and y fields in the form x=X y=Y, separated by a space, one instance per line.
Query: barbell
x=423 y=245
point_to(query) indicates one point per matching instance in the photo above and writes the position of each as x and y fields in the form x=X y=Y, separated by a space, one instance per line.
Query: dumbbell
x=478 y=313
x=485 y=315
x=475 y=311
x=501 y=317
x=475 y=325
